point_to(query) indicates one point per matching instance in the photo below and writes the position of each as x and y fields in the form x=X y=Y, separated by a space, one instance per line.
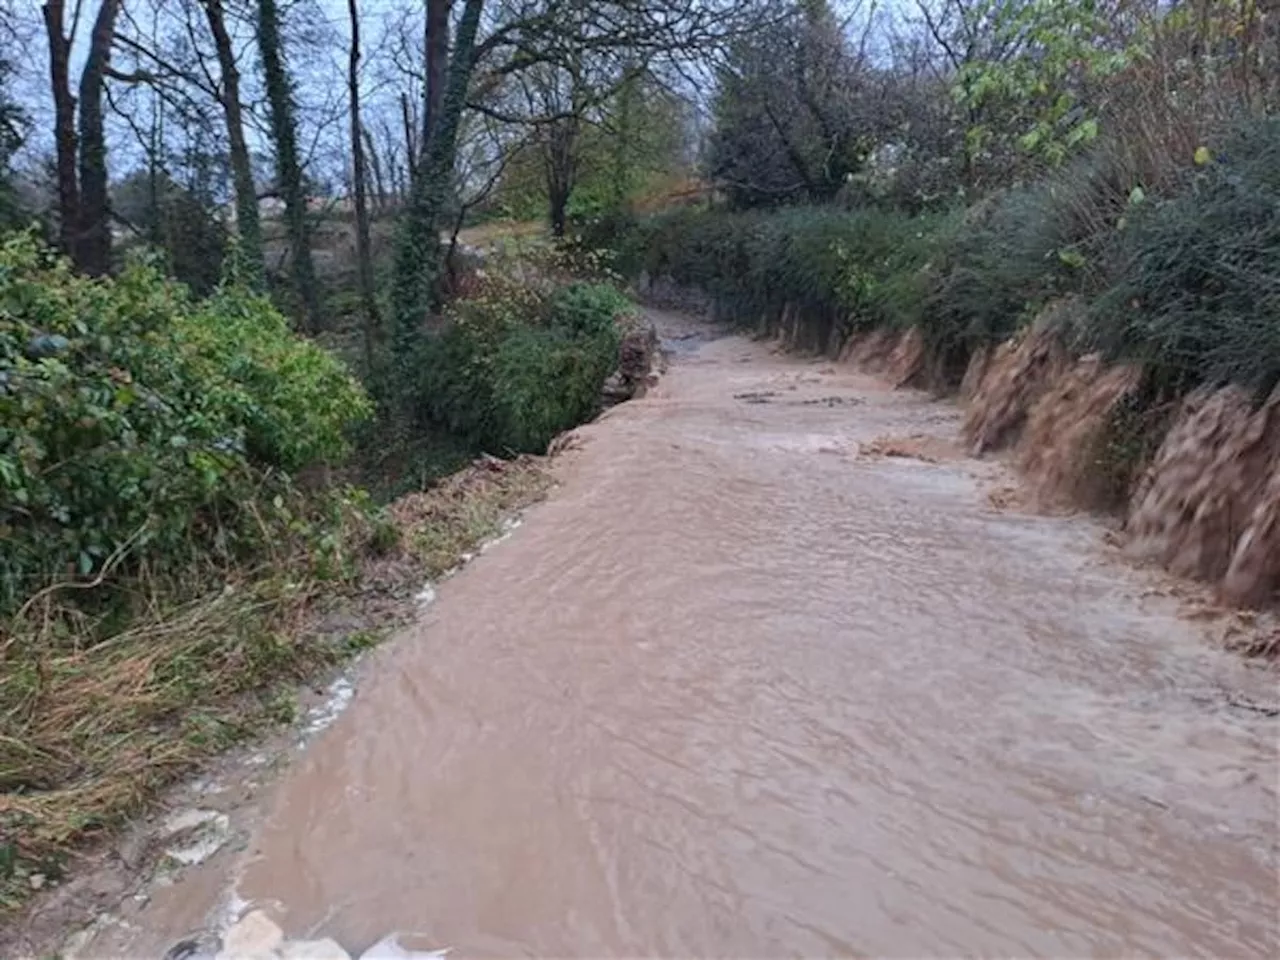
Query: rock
x=132 y=848
x=200 y=946
x=325 y=949
x=199 y=834
x=389 y=948
x=637 y=355
x=254 y=937
x=36 y=880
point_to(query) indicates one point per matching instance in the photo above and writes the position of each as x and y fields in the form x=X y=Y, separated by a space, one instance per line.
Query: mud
x=1016 y=376
x=744 y=686
x=1208 y=507
x=1061 y=450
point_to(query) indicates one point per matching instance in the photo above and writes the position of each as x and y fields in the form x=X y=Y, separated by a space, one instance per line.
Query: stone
x=389 y=948
x=325 y=949
x=199 y=946
x=196 y=835
x=254 y=937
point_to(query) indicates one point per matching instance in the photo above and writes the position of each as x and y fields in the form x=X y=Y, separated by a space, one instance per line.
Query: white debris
x=426 y=596
x=339 y=698
x=325 y=949
x=388 y=948
x=254 y=937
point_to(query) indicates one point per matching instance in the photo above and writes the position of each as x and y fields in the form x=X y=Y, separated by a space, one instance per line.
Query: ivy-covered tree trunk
x=437 y=53
x=288 y=168
x=418 y=247
x=364 y=255
x=560 y=160
x=93 y=247
x=247 y=225
x=64 y=125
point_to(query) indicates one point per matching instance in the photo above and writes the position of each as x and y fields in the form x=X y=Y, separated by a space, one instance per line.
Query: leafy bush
x=841 y=270
x=1181 y=275
x=131 y=414
x=519 y=364
x=1198 y=291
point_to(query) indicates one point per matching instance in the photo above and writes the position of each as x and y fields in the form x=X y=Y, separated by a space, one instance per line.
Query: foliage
x=132 y=416
x=840 y=270
x=176 y=221
x=1198 y=294
x=517 y=365
x=1041 y=58
x=1182 y=279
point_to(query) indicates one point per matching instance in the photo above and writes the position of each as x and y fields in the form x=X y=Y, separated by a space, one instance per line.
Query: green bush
x=1197 y=294
x=131 y=414
x=516 y=366
x=1182 y=277
x=841 y=270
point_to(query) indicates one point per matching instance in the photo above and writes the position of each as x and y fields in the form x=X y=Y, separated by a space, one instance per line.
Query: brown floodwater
x=770 y=674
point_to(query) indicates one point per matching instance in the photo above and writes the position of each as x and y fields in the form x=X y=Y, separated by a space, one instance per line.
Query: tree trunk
x=411 y=138
x=437 y=53
x=247 y=225
x=288 y=167
x=93 y=254
x=560 y=160
x=628 y=96
x=64 y=126
x=364 y=256
x=375 y=169
x=417 y=260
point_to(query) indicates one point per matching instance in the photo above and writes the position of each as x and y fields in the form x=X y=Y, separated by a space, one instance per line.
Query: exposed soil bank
x=1198 y=484
x=770 y=673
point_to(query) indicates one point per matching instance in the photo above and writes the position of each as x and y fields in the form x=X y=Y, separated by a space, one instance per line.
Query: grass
x=466 y=509
x=95 y=722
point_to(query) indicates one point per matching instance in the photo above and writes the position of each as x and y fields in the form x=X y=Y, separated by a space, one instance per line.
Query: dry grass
x=94 y=721
x=441 y=525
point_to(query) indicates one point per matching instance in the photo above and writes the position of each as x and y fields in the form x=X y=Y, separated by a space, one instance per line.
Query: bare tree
x=364 y=255
x=247 y=223
x=288 y=164
x=83 y=203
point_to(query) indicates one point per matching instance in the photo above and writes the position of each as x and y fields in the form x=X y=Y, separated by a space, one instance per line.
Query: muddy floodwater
x=778 y=671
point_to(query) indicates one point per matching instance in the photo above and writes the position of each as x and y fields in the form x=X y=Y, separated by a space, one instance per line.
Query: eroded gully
x=745 y=686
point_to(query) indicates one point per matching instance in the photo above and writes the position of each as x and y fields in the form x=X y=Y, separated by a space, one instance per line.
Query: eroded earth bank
x=778 y=670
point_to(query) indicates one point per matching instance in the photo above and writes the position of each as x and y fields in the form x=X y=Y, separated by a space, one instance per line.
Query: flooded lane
x=747 y=687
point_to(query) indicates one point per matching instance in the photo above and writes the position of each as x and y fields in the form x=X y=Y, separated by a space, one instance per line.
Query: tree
x=83 y=205
x=791 y=124
x=364 y=255
x=417 y=256
x=288 y=166
x=247 y=224
x=14 y=123
x=436 y=46
x=522 y=35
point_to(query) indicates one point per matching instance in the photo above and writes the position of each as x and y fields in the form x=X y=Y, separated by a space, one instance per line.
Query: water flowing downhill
x=754 y=683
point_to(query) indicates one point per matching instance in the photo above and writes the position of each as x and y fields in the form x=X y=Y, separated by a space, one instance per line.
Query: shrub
x=517 y=365
x=131 y=414
x=1197 y=297
x=841 y=270
x=1180 y=275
